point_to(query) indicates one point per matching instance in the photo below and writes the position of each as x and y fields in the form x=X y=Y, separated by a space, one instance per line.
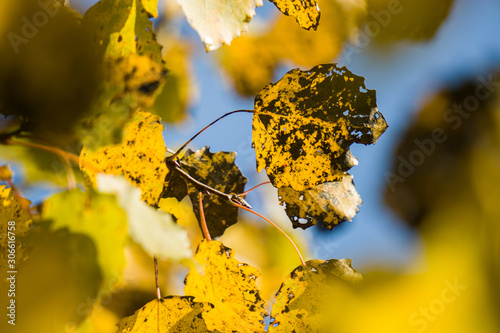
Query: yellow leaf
x=304 y=124
x=140 y=157
x=306 y=12
x=171 y=314
x=230 y=286
x=15 y=223
x=298 y=303
x=330 y=203
x=5 y=173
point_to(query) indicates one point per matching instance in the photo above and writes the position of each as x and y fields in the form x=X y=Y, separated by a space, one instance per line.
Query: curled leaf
x=230 y=286
x=304 y=124
x=329 y=203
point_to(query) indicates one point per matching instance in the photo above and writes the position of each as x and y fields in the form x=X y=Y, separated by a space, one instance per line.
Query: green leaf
x=304 y=124
x=97 y=216
x=153 y=229
x=173 y=314
x=140 y=157
x=219 y=21
x=230 y=286
x=297 y=304
x=219 y=171
x=306 y=12
x=329 y=203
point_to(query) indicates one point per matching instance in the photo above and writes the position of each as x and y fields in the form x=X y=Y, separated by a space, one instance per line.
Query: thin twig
x=64 y=154
x=203 y=222
x=229 y=197
x=158 y=295
x=274 y=225
x=213 y=122
x=253 y=188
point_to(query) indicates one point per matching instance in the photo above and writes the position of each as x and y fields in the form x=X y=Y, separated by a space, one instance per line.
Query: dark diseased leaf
x=218 y=171
x=230 y=286
x=306 y=12
x=174 y=314
x=304 y=124
x=298 y=303
x=329 y=203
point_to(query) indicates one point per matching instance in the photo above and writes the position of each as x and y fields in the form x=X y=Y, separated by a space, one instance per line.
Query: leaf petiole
x=203 y=222
x=274 y=225
x=172 y=157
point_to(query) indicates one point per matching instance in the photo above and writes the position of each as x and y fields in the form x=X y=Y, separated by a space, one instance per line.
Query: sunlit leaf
x=15 y=223
x=97 y=216
x=329 y=203
x=173 y=314
x=218 y=171
x=306 y=12
x=297 y=304
x=230 y=286
x=5 y=173
x=219 y=21
x=304 y=124
x=153 y=229
x=140 y=157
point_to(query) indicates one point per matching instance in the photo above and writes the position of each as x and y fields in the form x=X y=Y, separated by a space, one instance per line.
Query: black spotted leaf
x=306 y=12
x=298 y=304
x=329 y=203
x=305 y=123
x=218 y=171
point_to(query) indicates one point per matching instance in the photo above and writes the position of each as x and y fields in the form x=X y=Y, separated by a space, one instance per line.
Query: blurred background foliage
x=437 y=267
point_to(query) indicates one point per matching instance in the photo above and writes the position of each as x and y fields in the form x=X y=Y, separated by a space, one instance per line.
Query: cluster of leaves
x=303 y=126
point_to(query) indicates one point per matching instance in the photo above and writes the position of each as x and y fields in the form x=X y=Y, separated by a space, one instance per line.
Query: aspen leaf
x=219 y=21
x=13 y=209
x=171 y=314
x=140 y=157
x=297 y=304
x=153 y=229
x=230 y=286
x=304 y=124
x=330 y=203
x=97 y=216
x=306 y=12
x=5 y=173
x=218 y=171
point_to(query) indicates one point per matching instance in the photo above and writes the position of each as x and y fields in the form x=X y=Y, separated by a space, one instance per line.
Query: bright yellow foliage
x=140 y=157
x=304 y=124
x=230 y=286
x=171 y=314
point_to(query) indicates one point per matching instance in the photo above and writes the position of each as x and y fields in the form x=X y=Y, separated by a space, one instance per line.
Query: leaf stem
x=62 y=153
x=158 y=295
x=253 y=188
x=203 y=222
x=172 y=157
x=201 y=186
x=274 y=225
